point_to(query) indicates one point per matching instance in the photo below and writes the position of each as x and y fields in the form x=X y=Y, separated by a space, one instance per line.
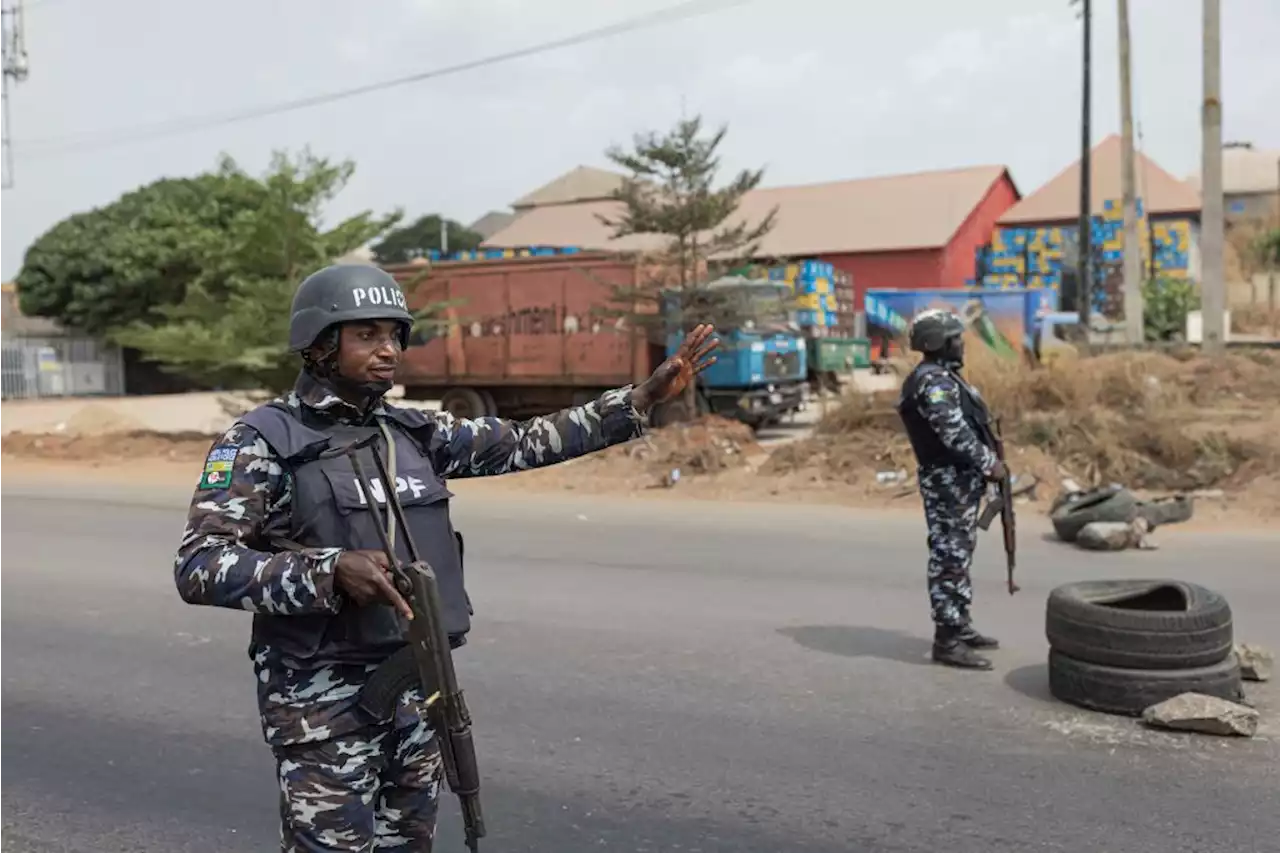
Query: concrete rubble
x=1255 y=662
x=1194 y=712
x=1116 y=536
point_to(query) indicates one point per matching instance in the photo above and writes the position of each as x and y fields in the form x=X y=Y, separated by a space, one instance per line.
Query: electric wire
x=93 y=141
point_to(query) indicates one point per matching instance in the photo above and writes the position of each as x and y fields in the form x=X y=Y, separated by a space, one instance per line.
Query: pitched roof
x=14 y=322
x=491 y=223
x=1246 y=170
x=584 y=183
x=1059 y=199
x=922 y=210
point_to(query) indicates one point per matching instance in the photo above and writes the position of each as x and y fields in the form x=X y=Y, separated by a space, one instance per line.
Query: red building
x=904 y=231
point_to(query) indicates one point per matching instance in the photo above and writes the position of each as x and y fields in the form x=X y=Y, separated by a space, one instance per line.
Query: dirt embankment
x=1154 y=422
x=1157 y=423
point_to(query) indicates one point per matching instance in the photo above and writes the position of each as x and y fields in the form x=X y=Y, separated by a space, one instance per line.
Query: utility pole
x=1133 y=320
x=1084 y=267
x=1212 y=226
x=15 y=68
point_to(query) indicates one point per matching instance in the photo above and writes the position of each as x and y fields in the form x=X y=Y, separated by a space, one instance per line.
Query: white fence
x=35 y=367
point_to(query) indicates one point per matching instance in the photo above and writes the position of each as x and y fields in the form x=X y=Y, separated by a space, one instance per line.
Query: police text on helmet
x=378 y=296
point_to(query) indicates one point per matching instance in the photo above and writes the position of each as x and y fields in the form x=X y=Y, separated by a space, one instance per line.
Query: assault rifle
x=427 y=660
x=1002 y=505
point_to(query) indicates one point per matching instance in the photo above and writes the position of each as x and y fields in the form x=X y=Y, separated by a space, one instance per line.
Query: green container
x=839 y=355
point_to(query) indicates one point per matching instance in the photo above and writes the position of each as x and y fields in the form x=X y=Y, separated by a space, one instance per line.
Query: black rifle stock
x=427 y=660
x=1003 y=504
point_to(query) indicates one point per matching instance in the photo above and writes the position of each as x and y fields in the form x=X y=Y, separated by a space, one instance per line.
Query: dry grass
x=1258 y=319
x=1148 y=420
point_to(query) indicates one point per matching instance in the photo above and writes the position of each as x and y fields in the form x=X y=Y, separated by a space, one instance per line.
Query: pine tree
x=671 y=195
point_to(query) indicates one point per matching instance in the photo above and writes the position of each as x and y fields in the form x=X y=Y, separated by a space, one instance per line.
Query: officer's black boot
x=950 y=650
x=974 y=640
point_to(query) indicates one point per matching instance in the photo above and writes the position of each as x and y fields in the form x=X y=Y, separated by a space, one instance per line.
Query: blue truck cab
x=761 y=369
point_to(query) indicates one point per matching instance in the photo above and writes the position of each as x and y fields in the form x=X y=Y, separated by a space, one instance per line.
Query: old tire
x=1161 y=511
x=1140 y=624
x=1113 y=690
x=1106 y=504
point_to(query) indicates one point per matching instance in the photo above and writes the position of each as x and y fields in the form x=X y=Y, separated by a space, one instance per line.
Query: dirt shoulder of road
x=1157 y=424
x=723 y=465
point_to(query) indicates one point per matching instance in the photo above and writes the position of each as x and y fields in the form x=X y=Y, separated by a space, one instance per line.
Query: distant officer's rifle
x=427 y=660
x=1002 y=505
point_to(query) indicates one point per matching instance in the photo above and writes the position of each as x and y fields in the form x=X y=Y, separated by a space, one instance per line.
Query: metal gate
x=34 y=367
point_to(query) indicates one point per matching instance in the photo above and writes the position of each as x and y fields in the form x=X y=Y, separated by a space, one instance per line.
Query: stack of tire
x=1114 y=503
x=1119 y=646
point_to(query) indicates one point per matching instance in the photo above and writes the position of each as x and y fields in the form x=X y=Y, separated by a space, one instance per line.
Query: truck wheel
x=1140 y=624
x=463 y=403
x=490 y=404
x=1130 y=691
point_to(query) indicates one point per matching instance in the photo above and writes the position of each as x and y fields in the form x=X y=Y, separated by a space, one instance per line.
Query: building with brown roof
x=1058 y=201
x=1033 y=244
x=904 y=231
x=14 y=323
x=1250 y=184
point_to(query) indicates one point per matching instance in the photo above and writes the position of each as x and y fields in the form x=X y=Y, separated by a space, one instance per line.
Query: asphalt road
x=649 y=676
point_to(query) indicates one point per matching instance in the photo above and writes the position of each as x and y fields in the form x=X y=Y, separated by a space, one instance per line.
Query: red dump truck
x=526 y=336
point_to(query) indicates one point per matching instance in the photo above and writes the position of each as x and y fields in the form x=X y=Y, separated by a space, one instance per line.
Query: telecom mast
x=13 y=68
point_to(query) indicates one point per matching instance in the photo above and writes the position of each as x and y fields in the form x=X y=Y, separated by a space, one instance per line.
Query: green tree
x=1166 y=303
x=416 y=239
x=672 y=194
x=232 y=326
x=124 y=262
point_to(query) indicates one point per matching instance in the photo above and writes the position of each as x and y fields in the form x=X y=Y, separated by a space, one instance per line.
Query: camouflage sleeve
x=939 y=400
x=486 y=447
x=243 y=492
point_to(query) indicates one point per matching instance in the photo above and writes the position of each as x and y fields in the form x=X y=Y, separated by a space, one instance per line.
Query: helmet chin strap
x=362 y=394
x=950 y=356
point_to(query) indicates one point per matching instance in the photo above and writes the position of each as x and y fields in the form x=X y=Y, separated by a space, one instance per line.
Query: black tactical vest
x=928 y=448
x=329 y=509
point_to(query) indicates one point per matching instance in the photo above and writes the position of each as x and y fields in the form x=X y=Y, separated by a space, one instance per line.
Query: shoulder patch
x=937 y=394
x=217 y=467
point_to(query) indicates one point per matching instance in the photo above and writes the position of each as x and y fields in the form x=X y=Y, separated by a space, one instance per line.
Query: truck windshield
x=762 y=307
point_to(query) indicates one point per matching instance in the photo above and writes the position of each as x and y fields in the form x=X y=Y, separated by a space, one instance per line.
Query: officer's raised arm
x=242 y=489
x=486 y=447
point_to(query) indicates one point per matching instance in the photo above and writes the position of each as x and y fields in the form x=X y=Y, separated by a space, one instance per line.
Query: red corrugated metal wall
x=899 y=270
x=958 y=258
x=930 y=268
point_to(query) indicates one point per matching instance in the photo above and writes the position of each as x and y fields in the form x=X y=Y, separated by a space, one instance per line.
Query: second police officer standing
x=948 y=424
x=275 y=530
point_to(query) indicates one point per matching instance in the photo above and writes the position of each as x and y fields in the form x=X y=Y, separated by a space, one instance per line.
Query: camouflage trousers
x=374 y=789
x=951 y=500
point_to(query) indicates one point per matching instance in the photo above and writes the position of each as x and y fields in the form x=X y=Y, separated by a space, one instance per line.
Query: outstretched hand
x=675 y=374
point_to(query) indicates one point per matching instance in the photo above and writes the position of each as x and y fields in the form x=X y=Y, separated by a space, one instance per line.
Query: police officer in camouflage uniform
x=277 y=531
x=947 y=422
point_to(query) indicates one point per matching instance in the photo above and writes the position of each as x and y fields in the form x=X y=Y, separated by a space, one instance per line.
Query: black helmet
x=930 y=330
x=343 y=293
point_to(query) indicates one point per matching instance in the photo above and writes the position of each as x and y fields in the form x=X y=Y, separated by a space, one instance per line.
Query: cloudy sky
x=814 y=90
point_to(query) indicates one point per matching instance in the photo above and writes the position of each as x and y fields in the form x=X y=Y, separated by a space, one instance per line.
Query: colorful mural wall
x=1034 y=256
x=1001 y=319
